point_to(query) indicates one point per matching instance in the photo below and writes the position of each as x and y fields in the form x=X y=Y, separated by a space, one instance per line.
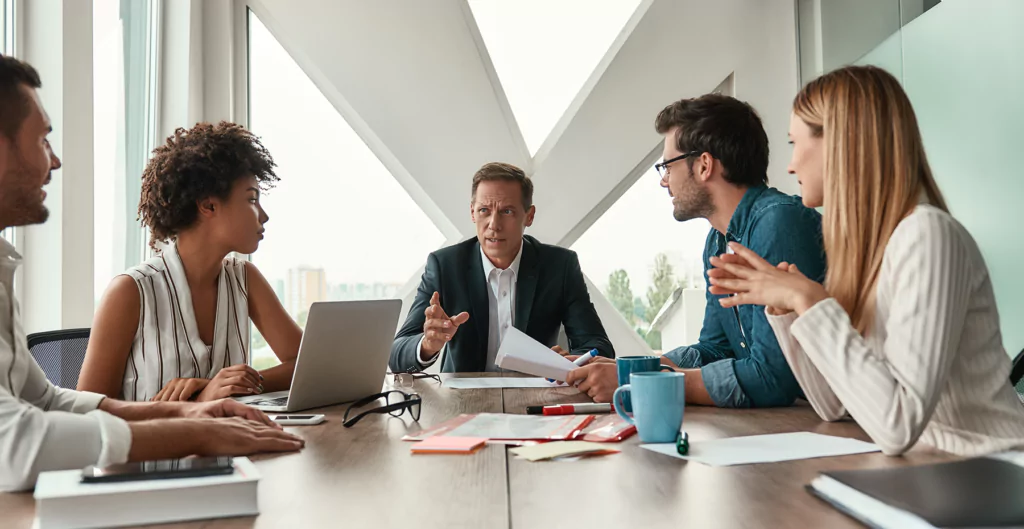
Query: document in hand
x=519 y=352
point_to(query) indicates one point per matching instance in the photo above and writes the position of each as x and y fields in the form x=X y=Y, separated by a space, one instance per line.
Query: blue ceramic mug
x=625 y=365
x=658 y=401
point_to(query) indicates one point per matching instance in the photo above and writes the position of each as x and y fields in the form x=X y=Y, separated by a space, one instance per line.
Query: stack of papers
x=448 y=445
x=770 y=448
x=519 y=352
x=560 y=449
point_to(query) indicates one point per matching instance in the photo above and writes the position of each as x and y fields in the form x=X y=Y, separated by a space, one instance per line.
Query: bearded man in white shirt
x=43 y=427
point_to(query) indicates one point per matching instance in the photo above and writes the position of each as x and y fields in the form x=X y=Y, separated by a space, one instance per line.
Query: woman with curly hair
x=177 y=326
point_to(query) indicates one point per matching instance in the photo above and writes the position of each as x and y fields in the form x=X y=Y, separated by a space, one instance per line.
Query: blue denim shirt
x=737 y=353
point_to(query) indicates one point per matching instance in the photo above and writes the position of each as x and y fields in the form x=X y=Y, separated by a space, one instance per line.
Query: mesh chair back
x=60 y=354
x=1017 y=375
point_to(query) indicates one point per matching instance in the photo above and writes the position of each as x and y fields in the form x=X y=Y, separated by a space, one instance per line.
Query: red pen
x=576 y=409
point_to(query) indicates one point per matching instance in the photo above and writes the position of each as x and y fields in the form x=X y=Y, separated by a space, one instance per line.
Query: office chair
x=60 y=354
x=1017 y=374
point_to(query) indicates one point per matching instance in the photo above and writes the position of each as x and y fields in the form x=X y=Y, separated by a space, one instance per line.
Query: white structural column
x=180 y=97
x=58 y=271
x=202 y=70
x=221 y=28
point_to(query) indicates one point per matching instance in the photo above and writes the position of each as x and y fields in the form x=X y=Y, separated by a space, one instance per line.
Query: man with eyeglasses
x=43 y=427
x=474 y=292
x=715 y=167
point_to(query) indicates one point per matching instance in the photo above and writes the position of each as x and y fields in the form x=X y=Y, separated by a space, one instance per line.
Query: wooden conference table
x=365 y=476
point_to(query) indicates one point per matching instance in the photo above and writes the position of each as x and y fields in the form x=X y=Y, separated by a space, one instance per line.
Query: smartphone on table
x=189 y=467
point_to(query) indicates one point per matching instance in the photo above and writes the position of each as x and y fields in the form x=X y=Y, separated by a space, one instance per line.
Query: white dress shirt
x=932 y=368
x=43 y=427
x=501 y=305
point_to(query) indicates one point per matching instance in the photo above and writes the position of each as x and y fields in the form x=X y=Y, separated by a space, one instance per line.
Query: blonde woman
x=904 y=334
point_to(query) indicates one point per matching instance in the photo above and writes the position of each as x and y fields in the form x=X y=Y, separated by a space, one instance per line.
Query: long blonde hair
x=875 y=172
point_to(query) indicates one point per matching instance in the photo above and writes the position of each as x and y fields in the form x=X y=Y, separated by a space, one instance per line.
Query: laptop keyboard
x=279 y=401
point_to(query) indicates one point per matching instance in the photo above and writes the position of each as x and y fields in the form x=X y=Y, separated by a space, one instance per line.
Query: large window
x=6 y=26
x=341 y=227
x=541 y=70
x=7 y=48
x=3 y=27
x=639 y=255
x=124 y=102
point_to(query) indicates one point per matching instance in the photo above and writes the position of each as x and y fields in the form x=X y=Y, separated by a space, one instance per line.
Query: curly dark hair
x=196 y=164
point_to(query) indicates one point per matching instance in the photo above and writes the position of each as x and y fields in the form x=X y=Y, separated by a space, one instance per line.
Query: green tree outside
x=663 y=283
x=640 y=312
x=638 y=309
x=621 y=295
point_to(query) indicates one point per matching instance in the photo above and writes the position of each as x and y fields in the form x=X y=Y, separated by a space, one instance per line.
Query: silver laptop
x=343 y=356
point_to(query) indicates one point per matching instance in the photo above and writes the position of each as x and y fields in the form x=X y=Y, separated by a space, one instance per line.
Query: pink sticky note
x=448 y=445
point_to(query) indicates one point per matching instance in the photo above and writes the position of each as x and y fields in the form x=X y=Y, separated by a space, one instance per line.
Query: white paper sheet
x=501 y=382
x=770 y=448
x=519 y=352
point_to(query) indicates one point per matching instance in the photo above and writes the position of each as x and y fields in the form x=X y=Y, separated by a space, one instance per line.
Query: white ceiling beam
x=677 y=49
x=412 y=79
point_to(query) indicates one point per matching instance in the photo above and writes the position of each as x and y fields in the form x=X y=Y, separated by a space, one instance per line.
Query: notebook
x=983 y=492
x=448 y=445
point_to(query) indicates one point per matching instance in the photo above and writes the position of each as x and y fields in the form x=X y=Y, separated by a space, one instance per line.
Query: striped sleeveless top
x=167 y=343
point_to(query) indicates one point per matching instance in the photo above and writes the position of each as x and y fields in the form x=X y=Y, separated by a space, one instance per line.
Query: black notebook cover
x=973 y=493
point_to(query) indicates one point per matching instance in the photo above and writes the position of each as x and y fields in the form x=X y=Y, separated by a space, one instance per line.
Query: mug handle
x=621 y=408
x=663 y=367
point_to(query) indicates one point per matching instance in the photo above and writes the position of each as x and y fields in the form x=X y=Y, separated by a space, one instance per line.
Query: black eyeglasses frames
x=395 y=403
x=662 y=167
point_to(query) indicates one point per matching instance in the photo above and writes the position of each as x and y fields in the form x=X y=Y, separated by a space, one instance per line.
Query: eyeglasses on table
x=395 y=404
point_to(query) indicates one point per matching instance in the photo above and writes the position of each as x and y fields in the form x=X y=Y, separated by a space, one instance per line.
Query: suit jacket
x=550 y=292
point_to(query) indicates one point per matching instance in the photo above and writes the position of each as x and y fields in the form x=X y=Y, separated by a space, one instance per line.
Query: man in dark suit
x=498 y=280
